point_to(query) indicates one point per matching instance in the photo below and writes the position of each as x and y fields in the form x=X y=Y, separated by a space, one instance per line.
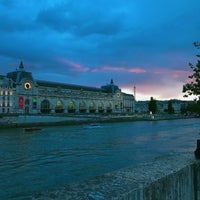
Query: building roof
x=125 y=94
x=110 y=88
x=17 y=76
x=20 y=74
x=67 y=86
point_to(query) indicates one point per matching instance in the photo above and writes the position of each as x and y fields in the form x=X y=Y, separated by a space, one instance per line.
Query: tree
x=183 y=109
x=194 y=107
x=193 y=87
x=170 y=108
x=152 y=105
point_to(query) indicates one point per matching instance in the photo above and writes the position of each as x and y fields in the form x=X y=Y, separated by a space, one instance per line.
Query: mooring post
x=197 y=151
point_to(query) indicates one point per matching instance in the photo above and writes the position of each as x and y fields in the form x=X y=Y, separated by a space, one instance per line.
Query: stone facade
x=20 y=93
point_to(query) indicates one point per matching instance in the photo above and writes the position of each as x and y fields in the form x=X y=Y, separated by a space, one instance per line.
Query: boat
x=29 y=129
x=93 y=125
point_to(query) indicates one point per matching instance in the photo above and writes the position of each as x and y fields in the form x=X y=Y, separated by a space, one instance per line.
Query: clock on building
x=118 y=94
x=27 y=85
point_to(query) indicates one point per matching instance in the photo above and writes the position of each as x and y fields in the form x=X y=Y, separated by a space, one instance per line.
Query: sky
x=147 y=44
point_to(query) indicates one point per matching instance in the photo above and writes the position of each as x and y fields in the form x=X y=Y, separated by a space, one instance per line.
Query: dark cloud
x=81 y=20
x=7 y=3
x=12 y=24
x=89 y=42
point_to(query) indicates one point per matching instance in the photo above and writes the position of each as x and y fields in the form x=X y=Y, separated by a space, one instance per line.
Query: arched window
x=117 y=105
x=109 y=107
x=71 y=107
x=45 y=106
x=92 y=107
x=82 y=107
x=101 y=107
x=59 y=108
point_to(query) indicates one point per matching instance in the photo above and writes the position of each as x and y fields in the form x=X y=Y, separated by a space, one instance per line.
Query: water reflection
x=56 y=156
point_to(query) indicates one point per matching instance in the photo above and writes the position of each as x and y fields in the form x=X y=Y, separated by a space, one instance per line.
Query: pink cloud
x=171 y=72
x=178 y=73
x=108 y=68
x=95 y=70
x=111 y=68
x=74 y=66
x=137 y=70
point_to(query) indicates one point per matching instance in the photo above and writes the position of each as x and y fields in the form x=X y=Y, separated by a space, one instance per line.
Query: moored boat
x=28 y=129
x=93 y=125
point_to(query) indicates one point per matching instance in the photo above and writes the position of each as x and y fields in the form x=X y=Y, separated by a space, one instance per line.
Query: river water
x=53 y=157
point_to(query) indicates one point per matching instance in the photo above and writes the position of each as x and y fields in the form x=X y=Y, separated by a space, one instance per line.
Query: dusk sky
x=146 y=43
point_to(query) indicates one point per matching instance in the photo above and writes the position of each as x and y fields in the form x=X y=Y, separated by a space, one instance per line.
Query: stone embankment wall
x=172 y=177
x=73 y=119
x=43 y=120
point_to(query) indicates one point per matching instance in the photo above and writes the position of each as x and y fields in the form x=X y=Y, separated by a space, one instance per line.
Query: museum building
x=20 y=93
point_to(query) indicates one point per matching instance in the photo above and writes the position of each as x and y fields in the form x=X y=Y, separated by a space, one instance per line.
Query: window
x=59 y=108
x=45 y=107
x=34 y=102
x=27 y=102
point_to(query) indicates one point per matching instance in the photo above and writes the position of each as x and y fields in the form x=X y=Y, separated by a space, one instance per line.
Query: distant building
x=142 y=106
x=20 y=93
x=6 y=95
x=162 y=106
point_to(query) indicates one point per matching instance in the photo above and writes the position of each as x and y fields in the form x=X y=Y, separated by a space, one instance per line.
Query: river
x=33 y=162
